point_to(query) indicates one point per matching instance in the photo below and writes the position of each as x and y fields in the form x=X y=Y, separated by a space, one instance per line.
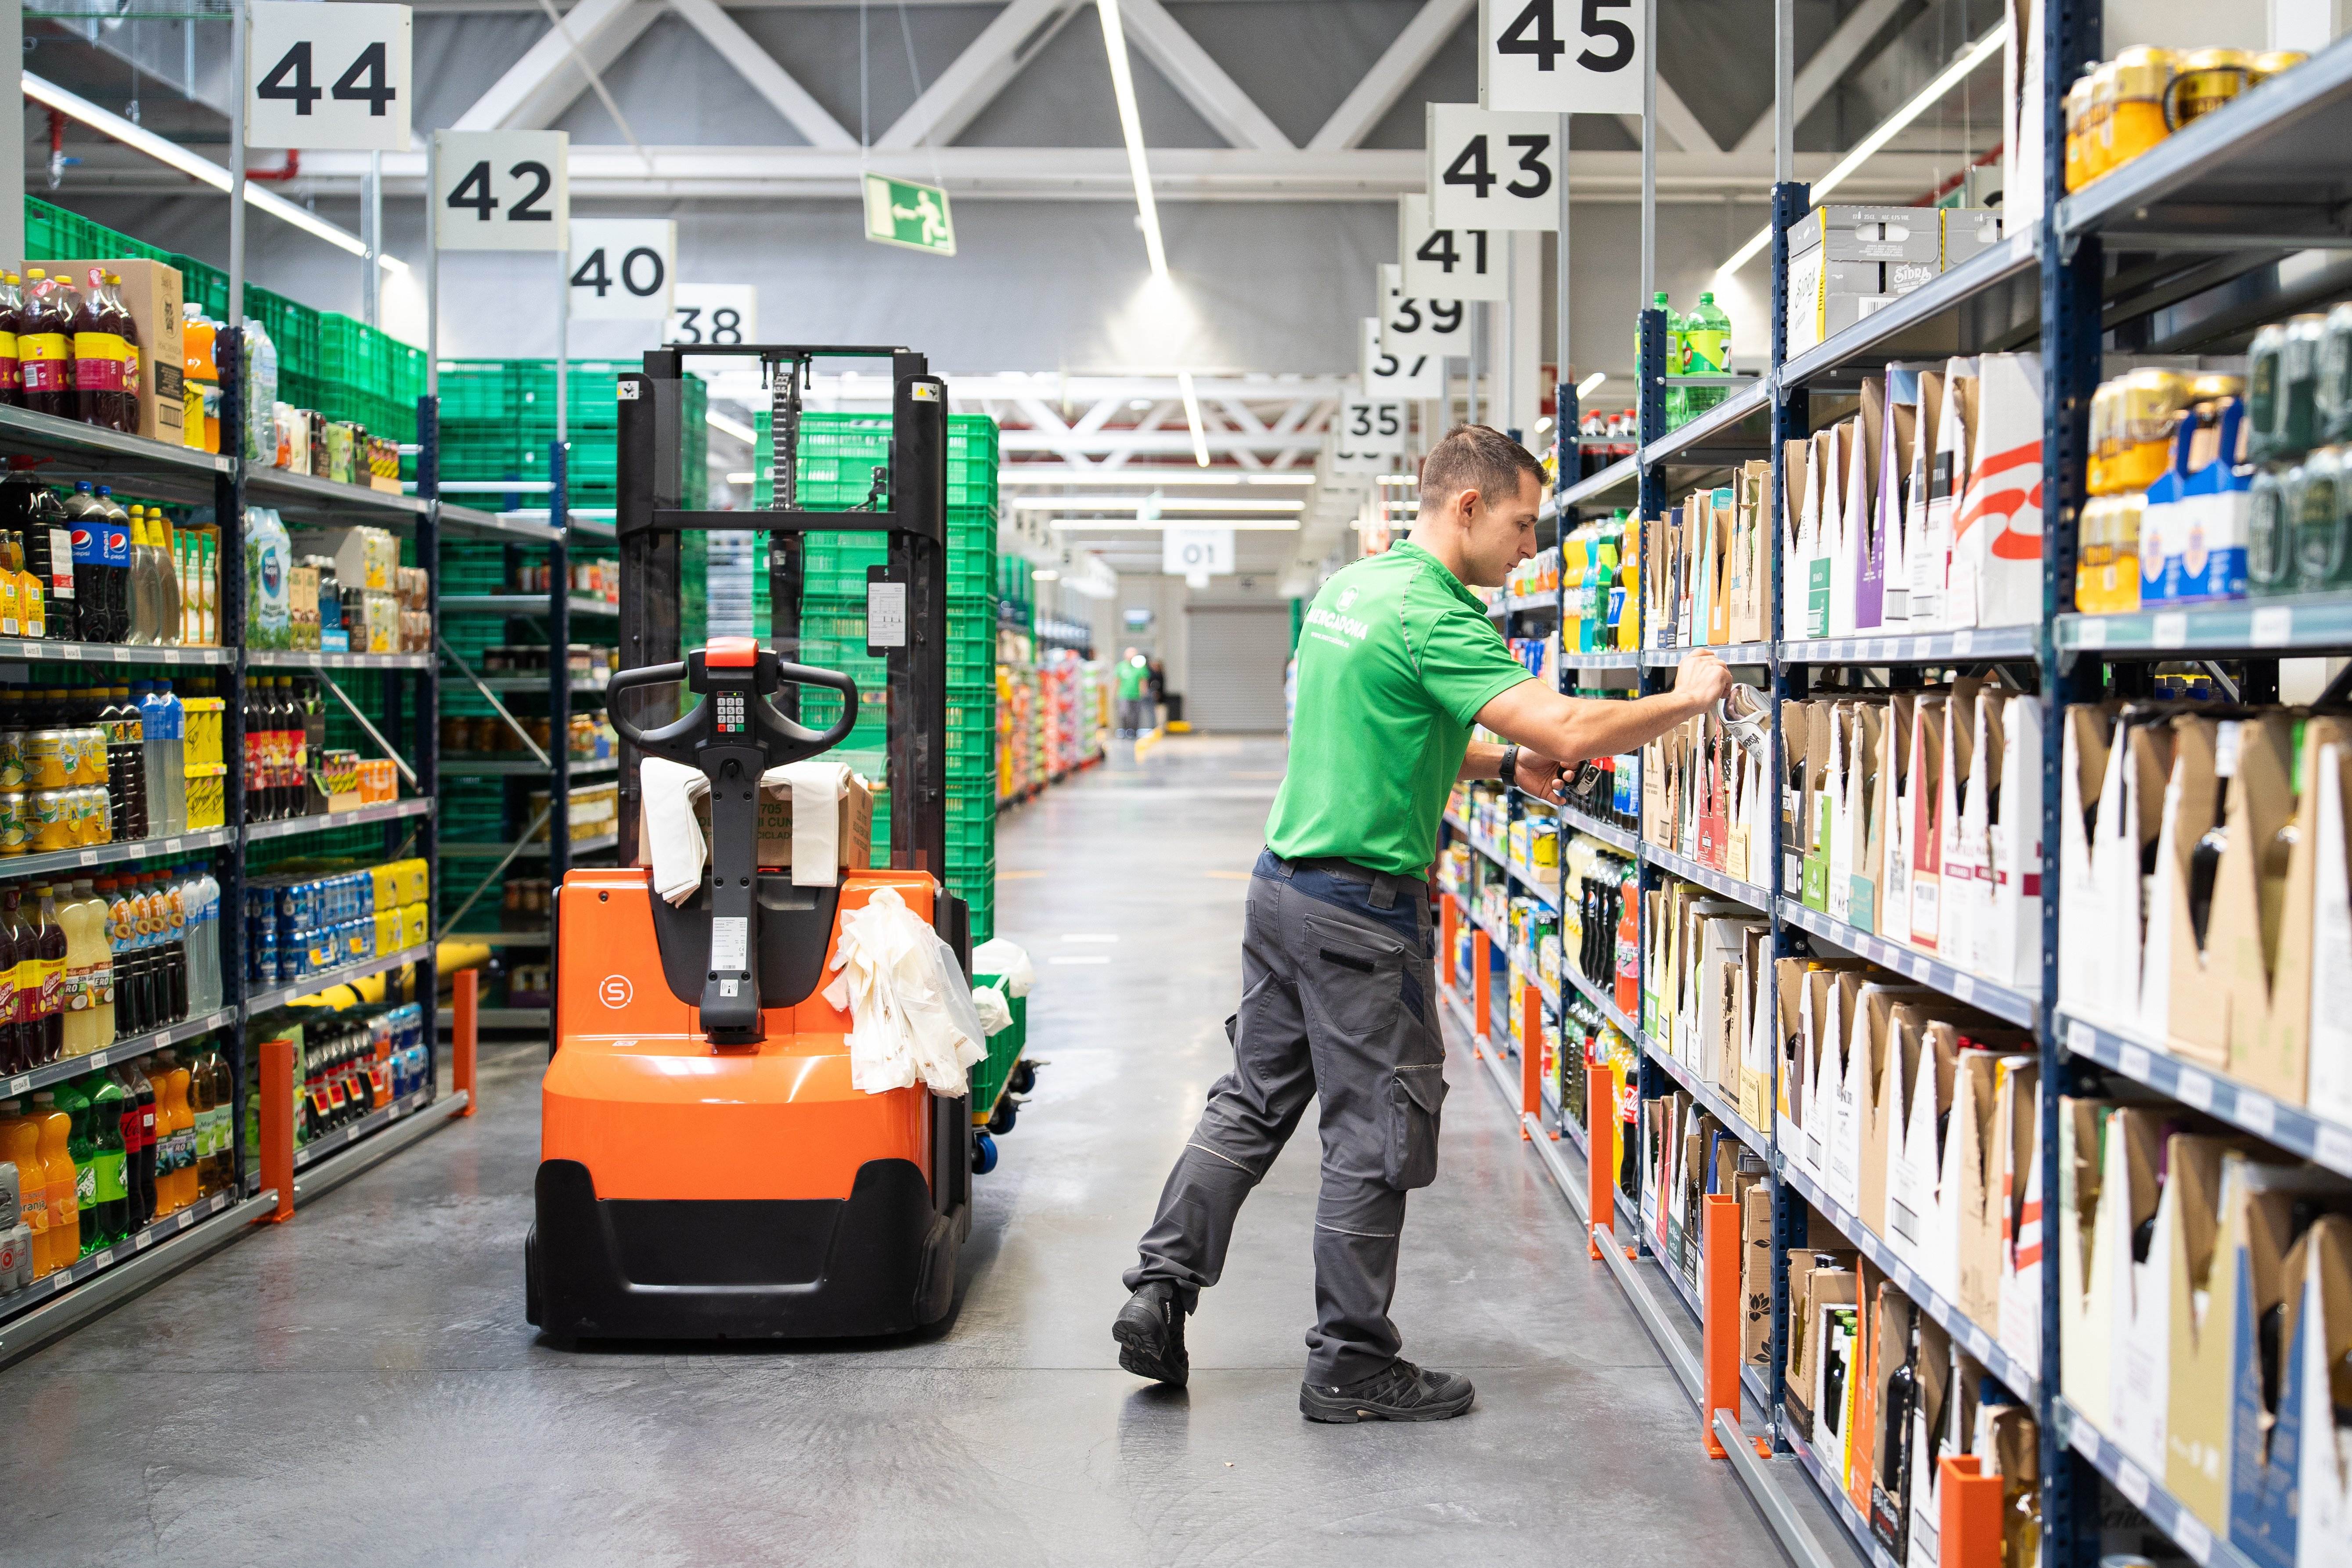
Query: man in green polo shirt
x=1135 y=714
x=1397 y=661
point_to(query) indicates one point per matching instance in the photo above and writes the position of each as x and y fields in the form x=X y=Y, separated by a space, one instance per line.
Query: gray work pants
x=1335 y=1004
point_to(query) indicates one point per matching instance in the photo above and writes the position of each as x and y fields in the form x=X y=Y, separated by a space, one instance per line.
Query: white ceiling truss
x=1091 y=424
x=1259 y=163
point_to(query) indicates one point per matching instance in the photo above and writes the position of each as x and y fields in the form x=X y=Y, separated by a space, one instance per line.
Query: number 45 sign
x=1561 y=57
x=327 y=76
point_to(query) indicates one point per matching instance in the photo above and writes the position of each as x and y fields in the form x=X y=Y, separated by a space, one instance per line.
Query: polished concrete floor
x=359 y=1386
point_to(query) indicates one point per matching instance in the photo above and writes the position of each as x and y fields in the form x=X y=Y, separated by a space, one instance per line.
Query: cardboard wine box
x=1996 y=570
x=2275 y=1407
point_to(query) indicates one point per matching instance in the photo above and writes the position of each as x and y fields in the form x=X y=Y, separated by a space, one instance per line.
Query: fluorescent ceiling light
x=728 y=425
x=743 y=478
x=1122 y=503
x=1147 y=206
x=1591 y=383
x=1045 y=574
x=1048 y=474
x=1894 y=125
x=50 y=96
x=1136 y=525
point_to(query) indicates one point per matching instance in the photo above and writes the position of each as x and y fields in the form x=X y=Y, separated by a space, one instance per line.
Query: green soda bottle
x=1706 y=336
x=69 y=1098
x=110 y=1188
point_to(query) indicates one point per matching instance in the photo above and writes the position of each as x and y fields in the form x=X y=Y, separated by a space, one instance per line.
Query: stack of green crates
x=835 y=470
x=343 y=368
x=1005 y=1049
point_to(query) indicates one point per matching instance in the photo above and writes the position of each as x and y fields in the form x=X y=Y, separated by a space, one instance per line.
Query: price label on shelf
x=1492 y=170
x=621 y=269
x=2135 y=1063
x=1445 y=262
x=2333 y=1147
x=2091 y=634
x=1561 y=57
x=2273 y=627
x=2257 y=1112
x=2196 y=1091
x=327 y=76
x=2169 y=629
x=501 y=190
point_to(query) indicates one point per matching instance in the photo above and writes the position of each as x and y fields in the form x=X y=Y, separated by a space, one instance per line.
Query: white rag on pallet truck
x=911 y=1011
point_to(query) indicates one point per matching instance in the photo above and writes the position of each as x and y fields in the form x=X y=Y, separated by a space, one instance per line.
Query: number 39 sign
x=1561 y=57
x=327 y=76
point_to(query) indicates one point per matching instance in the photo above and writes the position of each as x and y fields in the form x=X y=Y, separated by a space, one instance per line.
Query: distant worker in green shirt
x=1397 y=660
x=1135 y=715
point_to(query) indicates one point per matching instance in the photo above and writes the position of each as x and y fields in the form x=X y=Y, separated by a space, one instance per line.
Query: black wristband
x=1509 y=769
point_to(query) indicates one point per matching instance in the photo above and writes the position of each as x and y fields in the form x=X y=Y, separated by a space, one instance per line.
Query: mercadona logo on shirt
x=1334 y=620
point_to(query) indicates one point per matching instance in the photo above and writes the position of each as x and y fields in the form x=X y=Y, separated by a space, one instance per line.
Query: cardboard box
x=1995 y=578
x=2275 y=1406
x=849 y=836
x=1969 y=233
x=1930 y=730
x=2186 y=1001
x=1970 y=1189
x=1825 y=297
x=153 y=293
x=2017 y=1202
x=2219 y=1257
x=1797 y=484
x=1819 y=1279
x=1889 y=854
x=2319 y=1337
x=1870 y=234
x=1943 y=1415
x=2271 y=914
x=2329 y=1078
x=1858 y=519
x=1756 y=1273
x=1928 y=542
x=1897 y=1332
x=2112 y=778
x=1921 y=1074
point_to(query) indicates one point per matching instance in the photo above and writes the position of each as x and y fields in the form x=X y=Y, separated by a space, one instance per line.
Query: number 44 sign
x=1561 y=57
x=327 y=76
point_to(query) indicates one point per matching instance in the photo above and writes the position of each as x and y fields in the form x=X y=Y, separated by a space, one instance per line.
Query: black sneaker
x=1151 y=1333
x=1402 y=1392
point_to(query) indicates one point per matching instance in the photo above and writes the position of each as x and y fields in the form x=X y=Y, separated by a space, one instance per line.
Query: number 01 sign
x=327 y=76
x=1561 y=57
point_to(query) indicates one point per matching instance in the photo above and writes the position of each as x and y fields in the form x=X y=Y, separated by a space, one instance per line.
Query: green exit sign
x=899 y=212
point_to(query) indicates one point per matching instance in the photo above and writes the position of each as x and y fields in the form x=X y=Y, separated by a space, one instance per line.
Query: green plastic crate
x=1004 y=1048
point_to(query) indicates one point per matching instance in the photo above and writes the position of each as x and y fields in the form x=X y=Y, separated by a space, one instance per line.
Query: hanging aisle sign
x=622 y=268
x=902 y=213
x=714 y=313
x=1562 y=57
x=1491 y=170
x=501 y=190
x=1445 y=263
x=1410 y=325
x=1368 y=435
x=1417 y=372
x=327 y=76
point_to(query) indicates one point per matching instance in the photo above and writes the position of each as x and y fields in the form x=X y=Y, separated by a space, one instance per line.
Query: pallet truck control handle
x=734 y=664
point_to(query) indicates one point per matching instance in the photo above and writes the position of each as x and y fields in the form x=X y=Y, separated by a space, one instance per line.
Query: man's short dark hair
x=1479 y=457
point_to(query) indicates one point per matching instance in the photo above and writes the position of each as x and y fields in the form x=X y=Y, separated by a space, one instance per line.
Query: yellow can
x=2271 y=62
x=53 y=820
x=2095 y=120
x=94 y=815
x=49 y=758
x=89 y=762
x=2134 y=118
x=2147 y=415
x=2078 y=117
x=15 y=822
x=2202 y=82
x=12 y=759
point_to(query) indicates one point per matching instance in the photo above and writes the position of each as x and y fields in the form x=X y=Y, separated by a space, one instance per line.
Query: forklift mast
x=907 y=599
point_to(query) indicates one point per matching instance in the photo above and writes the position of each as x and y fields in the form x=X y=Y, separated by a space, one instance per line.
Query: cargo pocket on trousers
x=1416 y=1095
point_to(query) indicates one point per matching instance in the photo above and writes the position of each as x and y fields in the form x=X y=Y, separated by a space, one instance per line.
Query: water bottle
x=153 y=719
x=207 y=939
x=175 y=753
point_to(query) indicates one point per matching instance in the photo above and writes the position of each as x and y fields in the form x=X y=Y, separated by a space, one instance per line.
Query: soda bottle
x=220 y=1091
x=49 y=944
x=44 y=346
x=134 y=365
x=49 y=551
x=97 y=357
x=162 y=537
x=12 y=322
x=142 y=1091
x=57 y=1167
x=13 y=1051
x=105 y=1191
x=118 y=562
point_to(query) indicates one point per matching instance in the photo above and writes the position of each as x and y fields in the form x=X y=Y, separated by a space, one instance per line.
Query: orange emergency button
x=731 y=653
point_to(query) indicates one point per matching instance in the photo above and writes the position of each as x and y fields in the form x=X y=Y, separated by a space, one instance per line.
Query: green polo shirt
x=1131 y=674
x=1395 y=659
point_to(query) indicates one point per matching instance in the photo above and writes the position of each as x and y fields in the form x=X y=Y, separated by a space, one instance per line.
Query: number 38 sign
x=327 y=76
x=1561 y=57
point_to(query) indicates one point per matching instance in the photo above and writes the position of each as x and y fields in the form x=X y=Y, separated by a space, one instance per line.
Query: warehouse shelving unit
x=154 y=471
x=2220 y=203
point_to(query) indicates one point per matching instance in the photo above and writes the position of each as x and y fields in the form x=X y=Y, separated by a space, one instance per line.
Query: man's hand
x=1703 y=679
x=1540 y=776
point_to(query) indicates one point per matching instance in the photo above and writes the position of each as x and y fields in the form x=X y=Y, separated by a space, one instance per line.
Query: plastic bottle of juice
x=121 y=937
x=24 y=972
x=48 y=545
x=57 y=1162
x=98 y=350
x=12 y=614
x=134 y=365
x=20 y=1143
x=105 y=1189
x=183 y=1129
x=14 y=1052
x=101 y=978
x=214 y=1132
x=12 y=322
x=44 y=346
x=170 y=622
x=86 y=959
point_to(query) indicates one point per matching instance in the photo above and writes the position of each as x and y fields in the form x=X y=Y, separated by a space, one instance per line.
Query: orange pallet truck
x=707 y=1169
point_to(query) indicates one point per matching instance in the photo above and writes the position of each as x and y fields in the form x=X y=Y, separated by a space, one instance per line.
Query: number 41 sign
x=1561 y=57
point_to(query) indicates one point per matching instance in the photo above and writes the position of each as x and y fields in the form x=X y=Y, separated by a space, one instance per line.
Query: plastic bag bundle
x=1007 y=959
x=911 y=1015
x=995 y=1012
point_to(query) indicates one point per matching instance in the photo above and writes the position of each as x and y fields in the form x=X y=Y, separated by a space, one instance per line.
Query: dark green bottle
x=111 y=1190
x=84 y=1154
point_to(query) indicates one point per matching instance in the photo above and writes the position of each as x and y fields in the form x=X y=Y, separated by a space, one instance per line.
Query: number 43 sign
x=1561 y=57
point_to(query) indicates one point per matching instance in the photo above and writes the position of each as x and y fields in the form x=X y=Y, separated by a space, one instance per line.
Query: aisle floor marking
x=1093 y=936
x=1228 y=875
x=1017 y=876
x=1079 y=958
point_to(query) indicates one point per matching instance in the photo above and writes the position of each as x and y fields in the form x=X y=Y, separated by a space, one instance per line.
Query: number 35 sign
x=1562 y=57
